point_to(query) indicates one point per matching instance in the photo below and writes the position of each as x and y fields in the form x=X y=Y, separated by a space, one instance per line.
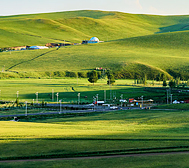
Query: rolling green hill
x=133 y=43
x=78 y=25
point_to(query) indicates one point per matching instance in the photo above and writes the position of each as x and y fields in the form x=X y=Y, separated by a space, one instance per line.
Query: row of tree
x=93 y=77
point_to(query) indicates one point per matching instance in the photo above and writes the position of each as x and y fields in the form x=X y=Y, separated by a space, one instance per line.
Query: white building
x=93 y=40
x=38 y=47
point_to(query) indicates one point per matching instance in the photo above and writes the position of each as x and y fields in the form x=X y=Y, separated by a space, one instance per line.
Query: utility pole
x=36 y=96
x=171 y=99
x=78 y=98
x=110 y=90
x=142 y=100
x=17 y=93
x=57 y=97
x=104 y=96
x=121 y=100
x=52 y=95
x=97 y=99
x=167 y=96
x=94 y=100
x=26 y=113
x=60 y=106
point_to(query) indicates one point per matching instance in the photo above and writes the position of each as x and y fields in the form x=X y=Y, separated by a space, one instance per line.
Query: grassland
x=131 y=41
x=68 y=88
x=112 y=132
x=173 y=161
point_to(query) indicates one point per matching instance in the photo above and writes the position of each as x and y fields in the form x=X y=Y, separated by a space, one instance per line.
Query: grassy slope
x=100 y=132
x=78 y=25
x=142 y=41
x=162 y=51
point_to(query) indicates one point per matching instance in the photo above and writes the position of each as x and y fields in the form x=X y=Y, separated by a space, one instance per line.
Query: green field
x=173 y=161
x=143 y=44
x=133 y=45
x=106 y=133
x=68 y=89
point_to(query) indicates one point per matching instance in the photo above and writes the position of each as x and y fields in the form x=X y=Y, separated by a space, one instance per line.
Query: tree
x=172 y=83
x=164 y=83
x=177 y=82
x=93 y=77
x=111 y=79
x=158 y=77
x=144 y=80
x=17 y=102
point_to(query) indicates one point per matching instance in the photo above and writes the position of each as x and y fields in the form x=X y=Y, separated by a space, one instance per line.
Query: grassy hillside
x=113 y=132
x=132 y=42
x=161 y=52
x=78 y=25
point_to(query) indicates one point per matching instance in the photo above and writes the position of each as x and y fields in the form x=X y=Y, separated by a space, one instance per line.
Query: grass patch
x=173 y=161
x=103 y=133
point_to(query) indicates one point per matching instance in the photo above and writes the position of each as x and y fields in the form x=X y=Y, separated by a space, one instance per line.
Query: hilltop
x=38 y=29
x=132 y=42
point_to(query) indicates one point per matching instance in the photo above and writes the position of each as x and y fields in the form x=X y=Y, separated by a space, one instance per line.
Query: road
x=89 y=110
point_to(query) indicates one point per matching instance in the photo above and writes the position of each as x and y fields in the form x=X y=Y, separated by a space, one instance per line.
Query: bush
x=71 y=74
x=82 y=74
x=59 y=74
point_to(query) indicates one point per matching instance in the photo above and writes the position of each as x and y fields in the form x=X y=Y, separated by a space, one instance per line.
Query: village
x=93 y=40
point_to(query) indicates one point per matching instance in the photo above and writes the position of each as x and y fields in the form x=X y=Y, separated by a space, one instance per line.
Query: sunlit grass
x=101 y=132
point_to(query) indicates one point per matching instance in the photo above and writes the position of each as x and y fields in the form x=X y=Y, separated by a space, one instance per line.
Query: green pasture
x=154 y=42
x=112 y=132
x=68 y=89
x=174 y=161
x=76 y=26
x=144 y=54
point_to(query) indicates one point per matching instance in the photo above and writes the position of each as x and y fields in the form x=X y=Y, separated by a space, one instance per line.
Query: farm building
x=57 y=44
x=93 y=40
x=20 y=48
x=38 y=47
x=51 y=45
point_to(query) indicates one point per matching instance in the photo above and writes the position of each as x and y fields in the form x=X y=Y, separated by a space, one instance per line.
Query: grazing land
x=144 y=45
x=172 y=160
x=133 y=43
x=117 y=132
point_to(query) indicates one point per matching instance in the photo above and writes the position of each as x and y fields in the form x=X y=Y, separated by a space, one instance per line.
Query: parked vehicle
x=113 y=107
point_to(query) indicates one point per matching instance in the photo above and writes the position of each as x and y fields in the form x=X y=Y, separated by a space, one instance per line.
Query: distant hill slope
x=133 y=43
x=38 y=29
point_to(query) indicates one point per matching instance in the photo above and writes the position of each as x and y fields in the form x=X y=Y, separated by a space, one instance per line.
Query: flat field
x=116 y=132
x=68 y=89
x=174 y=161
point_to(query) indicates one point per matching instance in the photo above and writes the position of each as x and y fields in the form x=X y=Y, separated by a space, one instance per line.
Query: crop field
x=117 y=132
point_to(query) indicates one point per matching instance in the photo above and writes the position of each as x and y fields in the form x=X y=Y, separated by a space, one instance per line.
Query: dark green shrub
x=82 y=74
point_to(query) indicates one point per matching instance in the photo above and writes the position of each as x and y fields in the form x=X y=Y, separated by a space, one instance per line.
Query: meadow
x=68 y=88
x=141 y=44
x=173 y=161
x=116 y=132
x=133 y=43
